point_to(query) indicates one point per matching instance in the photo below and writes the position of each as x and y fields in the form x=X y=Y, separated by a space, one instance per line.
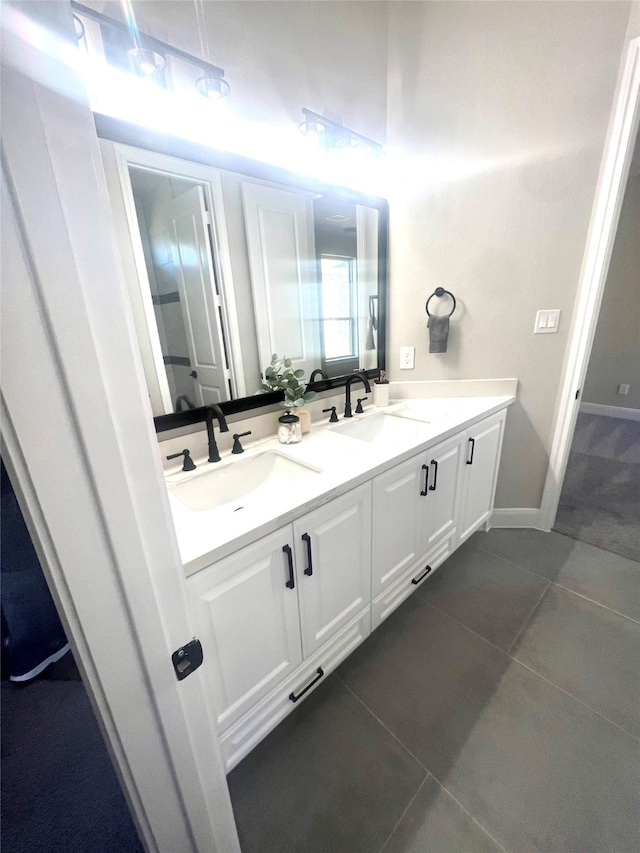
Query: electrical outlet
x=407 y=358
x=623 y=389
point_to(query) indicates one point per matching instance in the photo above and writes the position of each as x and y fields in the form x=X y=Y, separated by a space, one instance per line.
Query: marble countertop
x=339 y=462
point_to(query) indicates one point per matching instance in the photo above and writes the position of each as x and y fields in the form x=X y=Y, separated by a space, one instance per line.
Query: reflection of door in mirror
x=279 y=226
x=174 y=226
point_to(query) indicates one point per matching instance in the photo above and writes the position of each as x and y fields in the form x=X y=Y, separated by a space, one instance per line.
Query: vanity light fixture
x=149 y=55
x=146 y=62
x=335 y=136
x=212 y=86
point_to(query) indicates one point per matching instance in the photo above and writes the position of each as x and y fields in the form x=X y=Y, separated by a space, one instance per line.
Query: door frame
x=612 y=180
x=81 y=447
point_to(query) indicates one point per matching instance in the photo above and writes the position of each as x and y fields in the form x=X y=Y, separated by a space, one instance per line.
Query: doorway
x=59 y=788
x=600 y=498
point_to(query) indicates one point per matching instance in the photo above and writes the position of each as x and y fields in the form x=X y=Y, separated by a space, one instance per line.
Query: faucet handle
x=359 y=409
x=237 y=447
x=188 y=464
x=334 y=418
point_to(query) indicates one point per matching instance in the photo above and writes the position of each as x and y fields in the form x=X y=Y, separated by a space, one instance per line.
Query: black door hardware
x=295 y=698
x=433 y=485
x=187 y=659
x=193 y=374
x=237 y=447
x=290 y=584
x=422 y=576
x=473 y=447
x=425 y=468
x=188 y=464
x=309 y=569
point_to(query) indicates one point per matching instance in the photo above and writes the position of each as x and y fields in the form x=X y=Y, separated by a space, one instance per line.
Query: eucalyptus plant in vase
x=279 y=374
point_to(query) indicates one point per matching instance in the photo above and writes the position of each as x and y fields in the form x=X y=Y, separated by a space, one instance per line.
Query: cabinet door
x=441 y=503
x=249 y=624
x=333 y=554
x=480 y=471
x=397 y=521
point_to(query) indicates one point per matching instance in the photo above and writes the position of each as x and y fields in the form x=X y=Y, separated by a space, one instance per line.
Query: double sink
x=269 y=476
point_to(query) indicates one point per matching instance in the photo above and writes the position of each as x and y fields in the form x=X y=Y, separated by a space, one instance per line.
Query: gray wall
x=498 y=113
x=495 y=115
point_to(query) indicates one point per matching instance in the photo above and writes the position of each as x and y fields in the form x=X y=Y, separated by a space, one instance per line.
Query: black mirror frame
x=116 y=130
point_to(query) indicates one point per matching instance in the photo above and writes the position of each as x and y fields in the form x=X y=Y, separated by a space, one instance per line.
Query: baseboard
x=610 y=411
x=517 y=517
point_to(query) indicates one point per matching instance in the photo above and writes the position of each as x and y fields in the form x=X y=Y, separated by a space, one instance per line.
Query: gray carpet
x=600 y=501
x=60 y=793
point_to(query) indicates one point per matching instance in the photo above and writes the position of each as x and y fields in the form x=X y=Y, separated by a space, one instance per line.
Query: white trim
x=610 y=411
x=604 y=222
x=525 y=517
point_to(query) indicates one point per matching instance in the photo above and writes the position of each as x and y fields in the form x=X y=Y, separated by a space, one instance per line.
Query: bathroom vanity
x=294 y=554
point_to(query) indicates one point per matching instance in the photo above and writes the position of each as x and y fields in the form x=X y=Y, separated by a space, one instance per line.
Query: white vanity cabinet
x=479 y=473
x=280 y=614
x=425 y=507
x=333 y=558
x=415 y=506
x=246 y=610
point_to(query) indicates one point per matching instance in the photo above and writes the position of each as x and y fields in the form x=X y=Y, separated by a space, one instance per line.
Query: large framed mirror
x=229 y=260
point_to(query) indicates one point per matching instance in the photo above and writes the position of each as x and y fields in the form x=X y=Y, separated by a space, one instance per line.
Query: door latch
x=187 y=658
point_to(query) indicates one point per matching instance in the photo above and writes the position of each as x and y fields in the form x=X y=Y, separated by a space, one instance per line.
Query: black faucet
x=354 y=378
x=321 y=372
x=214 y=411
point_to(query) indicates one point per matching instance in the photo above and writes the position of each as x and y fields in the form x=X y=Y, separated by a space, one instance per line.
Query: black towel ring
x=440 y=291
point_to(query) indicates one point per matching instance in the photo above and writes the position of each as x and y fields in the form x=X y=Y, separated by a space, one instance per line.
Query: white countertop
x=344 y=463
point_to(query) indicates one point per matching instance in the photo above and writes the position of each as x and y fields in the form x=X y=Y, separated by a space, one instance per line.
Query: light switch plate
x=547 y=322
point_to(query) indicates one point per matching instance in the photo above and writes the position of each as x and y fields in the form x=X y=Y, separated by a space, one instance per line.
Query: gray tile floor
x=497 y=709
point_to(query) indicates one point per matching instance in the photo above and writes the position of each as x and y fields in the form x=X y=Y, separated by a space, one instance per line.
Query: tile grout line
x=409 y=804
x=528 y=619
x=561 y=586
x=426 y=769
x=576 y=699
x=530 y=669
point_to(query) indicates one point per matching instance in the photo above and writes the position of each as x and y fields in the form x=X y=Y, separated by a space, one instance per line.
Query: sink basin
x=380 y=427
x=242 y=481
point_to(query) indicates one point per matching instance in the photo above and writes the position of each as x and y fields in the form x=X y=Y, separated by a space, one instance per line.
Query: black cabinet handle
x=473 y=447
x=422 y=576
x=426 y=480
x=309 y=570
x=295 y=698
x=433 y=485
x=290 y=584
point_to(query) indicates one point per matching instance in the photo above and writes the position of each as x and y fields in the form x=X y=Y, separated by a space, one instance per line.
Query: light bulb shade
x=79 y=28
x=212 y=86
x=311 y=127
x=146 y=62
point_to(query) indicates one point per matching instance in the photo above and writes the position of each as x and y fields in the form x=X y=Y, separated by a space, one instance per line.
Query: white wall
x=615 y=357
x=497 y=117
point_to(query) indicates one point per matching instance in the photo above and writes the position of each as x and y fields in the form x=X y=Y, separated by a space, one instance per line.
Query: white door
x=198 y=298
x=398 y=513
x=441 y=505
x=333 y=556
x=279 y=226
x=479 y=472
x=246 y=609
